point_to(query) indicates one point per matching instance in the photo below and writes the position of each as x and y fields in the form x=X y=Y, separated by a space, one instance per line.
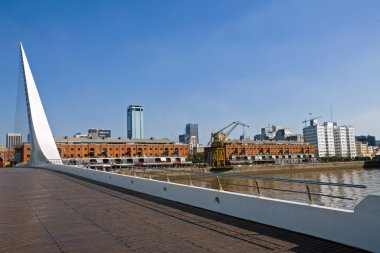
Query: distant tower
x=13 y=140
x=182 y=138
x=191 y=130
x=135 y=122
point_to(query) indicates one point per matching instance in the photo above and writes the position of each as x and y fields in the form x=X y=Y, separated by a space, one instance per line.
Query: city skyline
x=267 y=65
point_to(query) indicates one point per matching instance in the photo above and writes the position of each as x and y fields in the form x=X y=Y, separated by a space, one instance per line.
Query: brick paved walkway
x=44 y=211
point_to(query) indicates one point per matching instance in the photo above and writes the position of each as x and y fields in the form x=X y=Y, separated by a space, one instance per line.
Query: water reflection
x=341 y=197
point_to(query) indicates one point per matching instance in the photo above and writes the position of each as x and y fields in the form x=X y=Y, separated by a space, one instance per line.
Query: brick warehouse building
x=276 y=148
x=6 y=154
x=110 y=147
x=265 y=150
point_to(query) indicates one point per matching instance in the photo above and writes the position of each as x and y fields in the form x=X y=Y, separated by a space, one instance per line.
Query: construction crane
x=311 y=120
x=217 y=144
x=218 y=138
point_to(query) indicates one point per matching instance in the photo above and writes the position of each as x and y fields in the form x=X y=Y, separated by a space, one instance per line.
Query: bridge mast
x=43 y=147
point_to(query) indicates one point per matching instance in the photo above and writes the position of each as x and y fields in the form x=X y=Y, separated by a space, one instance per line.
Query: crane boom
x=220 y=136
x=311 y=120
x=237 y=123
x=224 y=128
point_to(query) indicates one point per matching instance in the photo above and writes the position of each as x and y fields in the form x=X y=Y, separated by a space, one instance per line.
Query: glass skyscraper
x=135 y=122
x=191 y=130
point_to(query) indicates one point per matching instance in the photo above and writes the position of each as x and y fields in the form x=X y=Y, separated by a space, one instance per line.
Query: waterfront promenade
x=45 y=211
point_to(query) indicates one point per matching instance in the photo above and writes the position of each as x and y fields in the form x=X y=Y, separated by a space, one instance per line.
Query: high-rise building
x=369 y=139
x=315 y=134
x=331 y=139
x=340 y=141
x=182 y=138
x=351 y=142
x=13 y=140
x=278 y=133
x=135 y=122
x=191 y=130
x=269 y=133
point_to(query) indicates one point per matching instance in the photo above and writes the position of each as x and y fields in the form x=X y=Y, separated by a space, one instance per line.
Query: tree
x=197 y=158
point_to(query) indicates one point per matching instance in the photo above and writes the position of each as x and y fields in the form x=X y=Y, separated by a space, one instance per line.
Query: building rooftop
x=68 y=140
x=265 y=142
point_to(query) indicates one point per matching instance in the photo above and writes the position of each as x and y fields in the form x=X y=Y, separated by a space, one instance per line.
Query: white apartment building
x=331 y=139
x=340 y=139
x=351 y=141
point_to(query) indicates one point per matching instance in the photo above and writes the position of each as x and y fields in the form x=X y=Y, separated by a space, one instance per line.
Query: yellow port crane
x=217 y=144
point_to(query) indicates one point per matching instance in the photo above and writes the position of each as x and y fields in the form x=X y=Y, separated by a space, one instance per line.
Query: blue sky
x=208 y=62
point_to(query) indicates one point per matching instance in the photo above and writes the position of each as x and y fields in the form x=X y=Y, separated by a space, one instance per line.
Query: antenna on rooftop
x=331 y=112
x=257 y=127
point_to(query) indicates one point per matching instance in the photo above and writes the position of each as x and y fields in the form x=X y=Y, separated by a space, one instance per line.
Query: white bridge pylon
x=43 y=147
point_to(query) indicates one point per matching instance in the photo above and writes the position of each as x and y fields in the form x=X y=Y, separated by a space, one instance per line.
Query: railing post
x=309 y=194
x=258 y=188
x=220 y=184
x=190 y=182
x=149 y=175
x=167 y=177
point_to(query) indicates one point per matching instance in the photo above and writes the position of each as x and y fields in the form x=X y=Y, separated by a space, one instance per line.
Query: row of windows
x=116 y=156
x=110 y=149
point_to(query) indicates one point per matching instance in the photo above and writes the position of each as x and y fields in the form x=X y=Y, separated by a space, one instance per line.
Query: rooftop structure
x=80 y=135
x=99 y=133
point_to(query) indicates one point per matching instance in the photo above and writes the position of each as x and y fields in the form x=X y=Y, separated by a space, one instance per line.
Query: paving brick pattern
x=44 y=211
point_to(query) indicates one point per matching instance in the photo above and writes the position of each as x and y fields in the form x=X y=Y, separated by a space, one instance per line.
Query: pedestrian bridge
x=45 y=211
x=71 y=207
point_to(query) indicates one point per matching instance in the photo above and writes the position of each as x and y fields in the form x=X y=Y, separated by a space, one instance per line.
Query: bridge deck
x=43 y=211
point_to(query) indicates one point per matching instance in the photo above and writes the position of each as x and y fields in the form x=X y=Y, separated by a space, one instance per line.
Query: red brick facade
x=114 y=150
x=268 y=149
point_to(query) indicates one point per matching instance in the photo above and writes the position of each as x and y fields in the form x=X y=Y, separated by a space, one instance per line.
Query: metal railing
x=258 y=182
